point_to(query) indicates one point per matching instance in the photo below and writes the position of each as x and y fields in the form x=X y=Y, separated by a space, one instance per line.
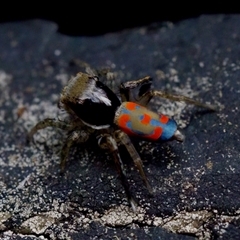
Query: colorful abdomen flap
x=137 y=120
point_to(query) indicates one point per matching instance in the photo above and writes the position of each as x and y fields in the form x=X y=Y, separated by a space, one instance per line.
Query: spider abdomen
x=139 y=121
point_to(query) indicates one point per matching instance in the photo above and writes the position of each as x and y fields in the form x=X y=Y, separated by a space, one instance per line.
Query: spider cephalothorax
x=95 y=108
x=92 y=101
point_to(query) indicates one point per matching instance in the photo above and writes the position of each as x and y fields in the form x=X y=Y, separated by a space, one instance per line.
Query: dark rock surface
x=196 y=183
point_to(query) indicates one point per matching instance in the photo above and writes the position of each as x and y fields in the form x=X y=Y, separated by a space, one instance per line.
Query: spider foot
x=133 y=204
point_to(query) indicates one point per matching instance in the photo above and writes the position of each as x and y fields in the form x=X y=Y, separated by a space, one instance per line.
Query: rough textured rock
x=196 y=182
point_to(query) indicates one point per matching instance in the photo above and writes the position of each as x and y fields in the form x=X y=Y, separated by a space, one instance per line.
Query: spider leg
x=48 y=122
x=106 y=141
x=75 y=136
x=125 y=88
x=145 y=99
x=145 y=94
x=124 y=139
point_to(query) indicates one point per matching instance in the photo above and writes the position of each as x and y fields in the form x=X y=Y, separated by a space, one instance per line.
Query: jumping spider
x=94 y=108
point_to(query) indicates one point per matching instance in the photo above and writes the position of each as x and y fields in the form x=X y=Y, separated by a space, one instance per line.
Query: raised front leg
x=125 y=88
x=145 y=99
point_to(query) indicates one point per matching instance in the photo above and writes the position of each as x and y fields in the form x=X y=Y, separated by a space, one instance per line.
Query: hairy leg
x=75 y=136
x=124 y=139
x=48 y=122
x=106 y=141
x=145 y=99
x=145 y=94
x=125 y=88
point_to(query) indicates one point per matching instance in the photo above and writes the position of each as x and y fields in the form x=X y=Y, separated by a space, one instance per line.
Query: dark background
x=213 y=195
x=81 y=18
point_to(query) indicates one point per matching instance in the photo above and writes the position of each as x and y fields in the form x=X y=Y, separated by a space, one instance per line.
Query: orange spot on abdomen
x=156 y=134
x=131 y=105
x=146 y=119
x=123 y=119
x=164 y=119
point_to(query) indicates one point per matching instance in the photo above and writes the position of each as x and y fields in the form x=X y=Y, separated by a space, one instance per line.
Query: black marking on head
x=96 y=113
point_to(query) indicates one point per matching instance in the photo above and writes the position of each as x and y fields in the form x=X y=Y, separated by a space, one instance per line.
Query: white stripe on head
x=95 y=94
